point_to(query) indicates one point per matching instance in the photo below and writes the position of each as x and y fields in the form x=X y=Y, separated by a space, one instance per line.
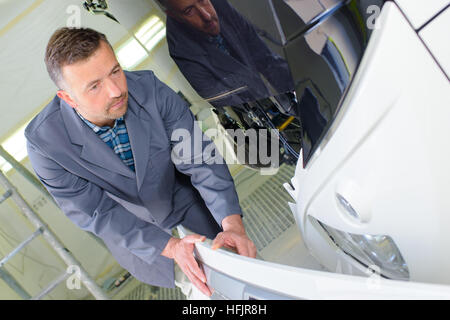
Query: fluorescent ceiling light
x=150 y=23
x=131 y=53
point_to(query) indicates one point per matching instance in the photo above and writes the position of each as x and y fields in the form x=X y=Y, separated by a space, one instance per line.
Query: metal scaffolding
x=51 y=238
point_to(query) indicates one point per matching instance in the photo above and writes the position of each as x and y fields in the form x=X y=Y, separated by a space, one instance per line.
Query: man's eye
x=94 y=87
x=188 y=12
x=115 y=71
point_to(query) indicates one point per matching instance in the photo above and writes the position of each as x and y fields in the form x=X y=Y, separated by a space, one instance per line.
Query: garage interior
x=25 y=28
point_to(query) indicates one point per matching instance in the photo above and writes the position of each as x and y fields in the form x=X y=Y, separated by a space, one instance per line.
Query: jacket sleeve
x=208 y=171
x=90 y=208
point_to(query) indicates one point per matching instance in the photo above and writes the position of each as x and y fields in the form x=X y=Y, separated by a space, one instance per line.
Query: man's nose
x=113 y=89
x=204 y=14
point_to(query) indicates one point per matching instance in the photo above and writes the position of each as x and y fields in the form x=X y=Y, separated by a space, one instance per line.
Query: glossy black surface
x=323 y=51
x=297 y=57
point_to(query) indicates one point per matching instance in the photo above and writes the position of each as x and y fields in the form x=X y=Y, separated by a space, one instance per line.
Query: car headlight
x=379 y=250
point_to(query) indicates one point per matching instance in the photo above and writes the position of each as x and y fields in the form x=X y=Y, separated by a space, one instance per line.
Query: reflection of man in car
x=220 y=53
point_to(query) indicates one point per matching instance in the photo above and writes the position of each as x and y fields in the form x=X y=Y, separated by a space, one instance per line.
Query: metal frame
x=51 y=238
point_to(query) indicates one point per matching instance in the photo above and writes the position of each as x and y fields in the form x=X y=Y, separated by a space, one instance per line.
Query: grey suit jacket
x=212 y=72
x=132 y=212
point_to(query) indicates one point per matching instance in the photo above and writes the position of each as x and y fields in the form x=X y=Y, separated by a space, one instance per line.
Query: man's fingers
x=185 y=259
x=242 y=248
x=252 y=249
x=218 y=241
x=243 y=245
x=197 y=282
x=195 y=269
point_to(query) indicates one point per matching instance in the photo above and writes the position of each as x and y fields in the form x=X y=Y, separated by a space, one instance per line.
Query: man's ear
x=66 y=97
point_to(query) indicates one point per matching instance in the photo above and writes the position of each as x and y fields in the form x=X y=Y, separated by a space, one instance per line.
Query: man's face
x=199 y=14
x=96 y=87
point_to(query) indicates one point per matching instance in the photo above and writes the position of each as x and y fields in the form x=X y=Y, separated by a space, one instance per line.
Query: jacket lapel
x=94 y=150
x=138 y=127
x=221 y=61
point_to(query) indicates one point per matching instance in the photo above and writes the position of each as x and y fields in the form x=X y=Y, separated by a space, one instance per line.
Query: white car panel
x=435 y=36
x=419 y=12
x=389 y=147
x=249 y=279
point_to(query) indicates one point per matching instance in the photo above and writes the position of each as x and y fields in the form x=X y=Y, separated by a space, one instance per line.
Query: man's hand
x=234 y=237
x=182 y=251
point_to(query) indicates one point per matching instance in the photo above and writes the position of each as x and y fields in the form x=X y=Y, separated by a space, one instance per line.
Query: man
x=102 y=148
x=220 y=53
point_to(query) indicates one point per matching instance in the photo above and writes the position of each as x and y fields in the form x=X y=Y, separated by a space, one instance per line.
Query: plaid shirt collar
x=219 y=42
x=97 y=129
x=116 y=138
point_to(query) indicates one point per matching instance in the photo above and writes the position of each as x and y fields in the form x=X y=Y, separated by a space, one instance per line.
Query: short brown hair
x=70 y=45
